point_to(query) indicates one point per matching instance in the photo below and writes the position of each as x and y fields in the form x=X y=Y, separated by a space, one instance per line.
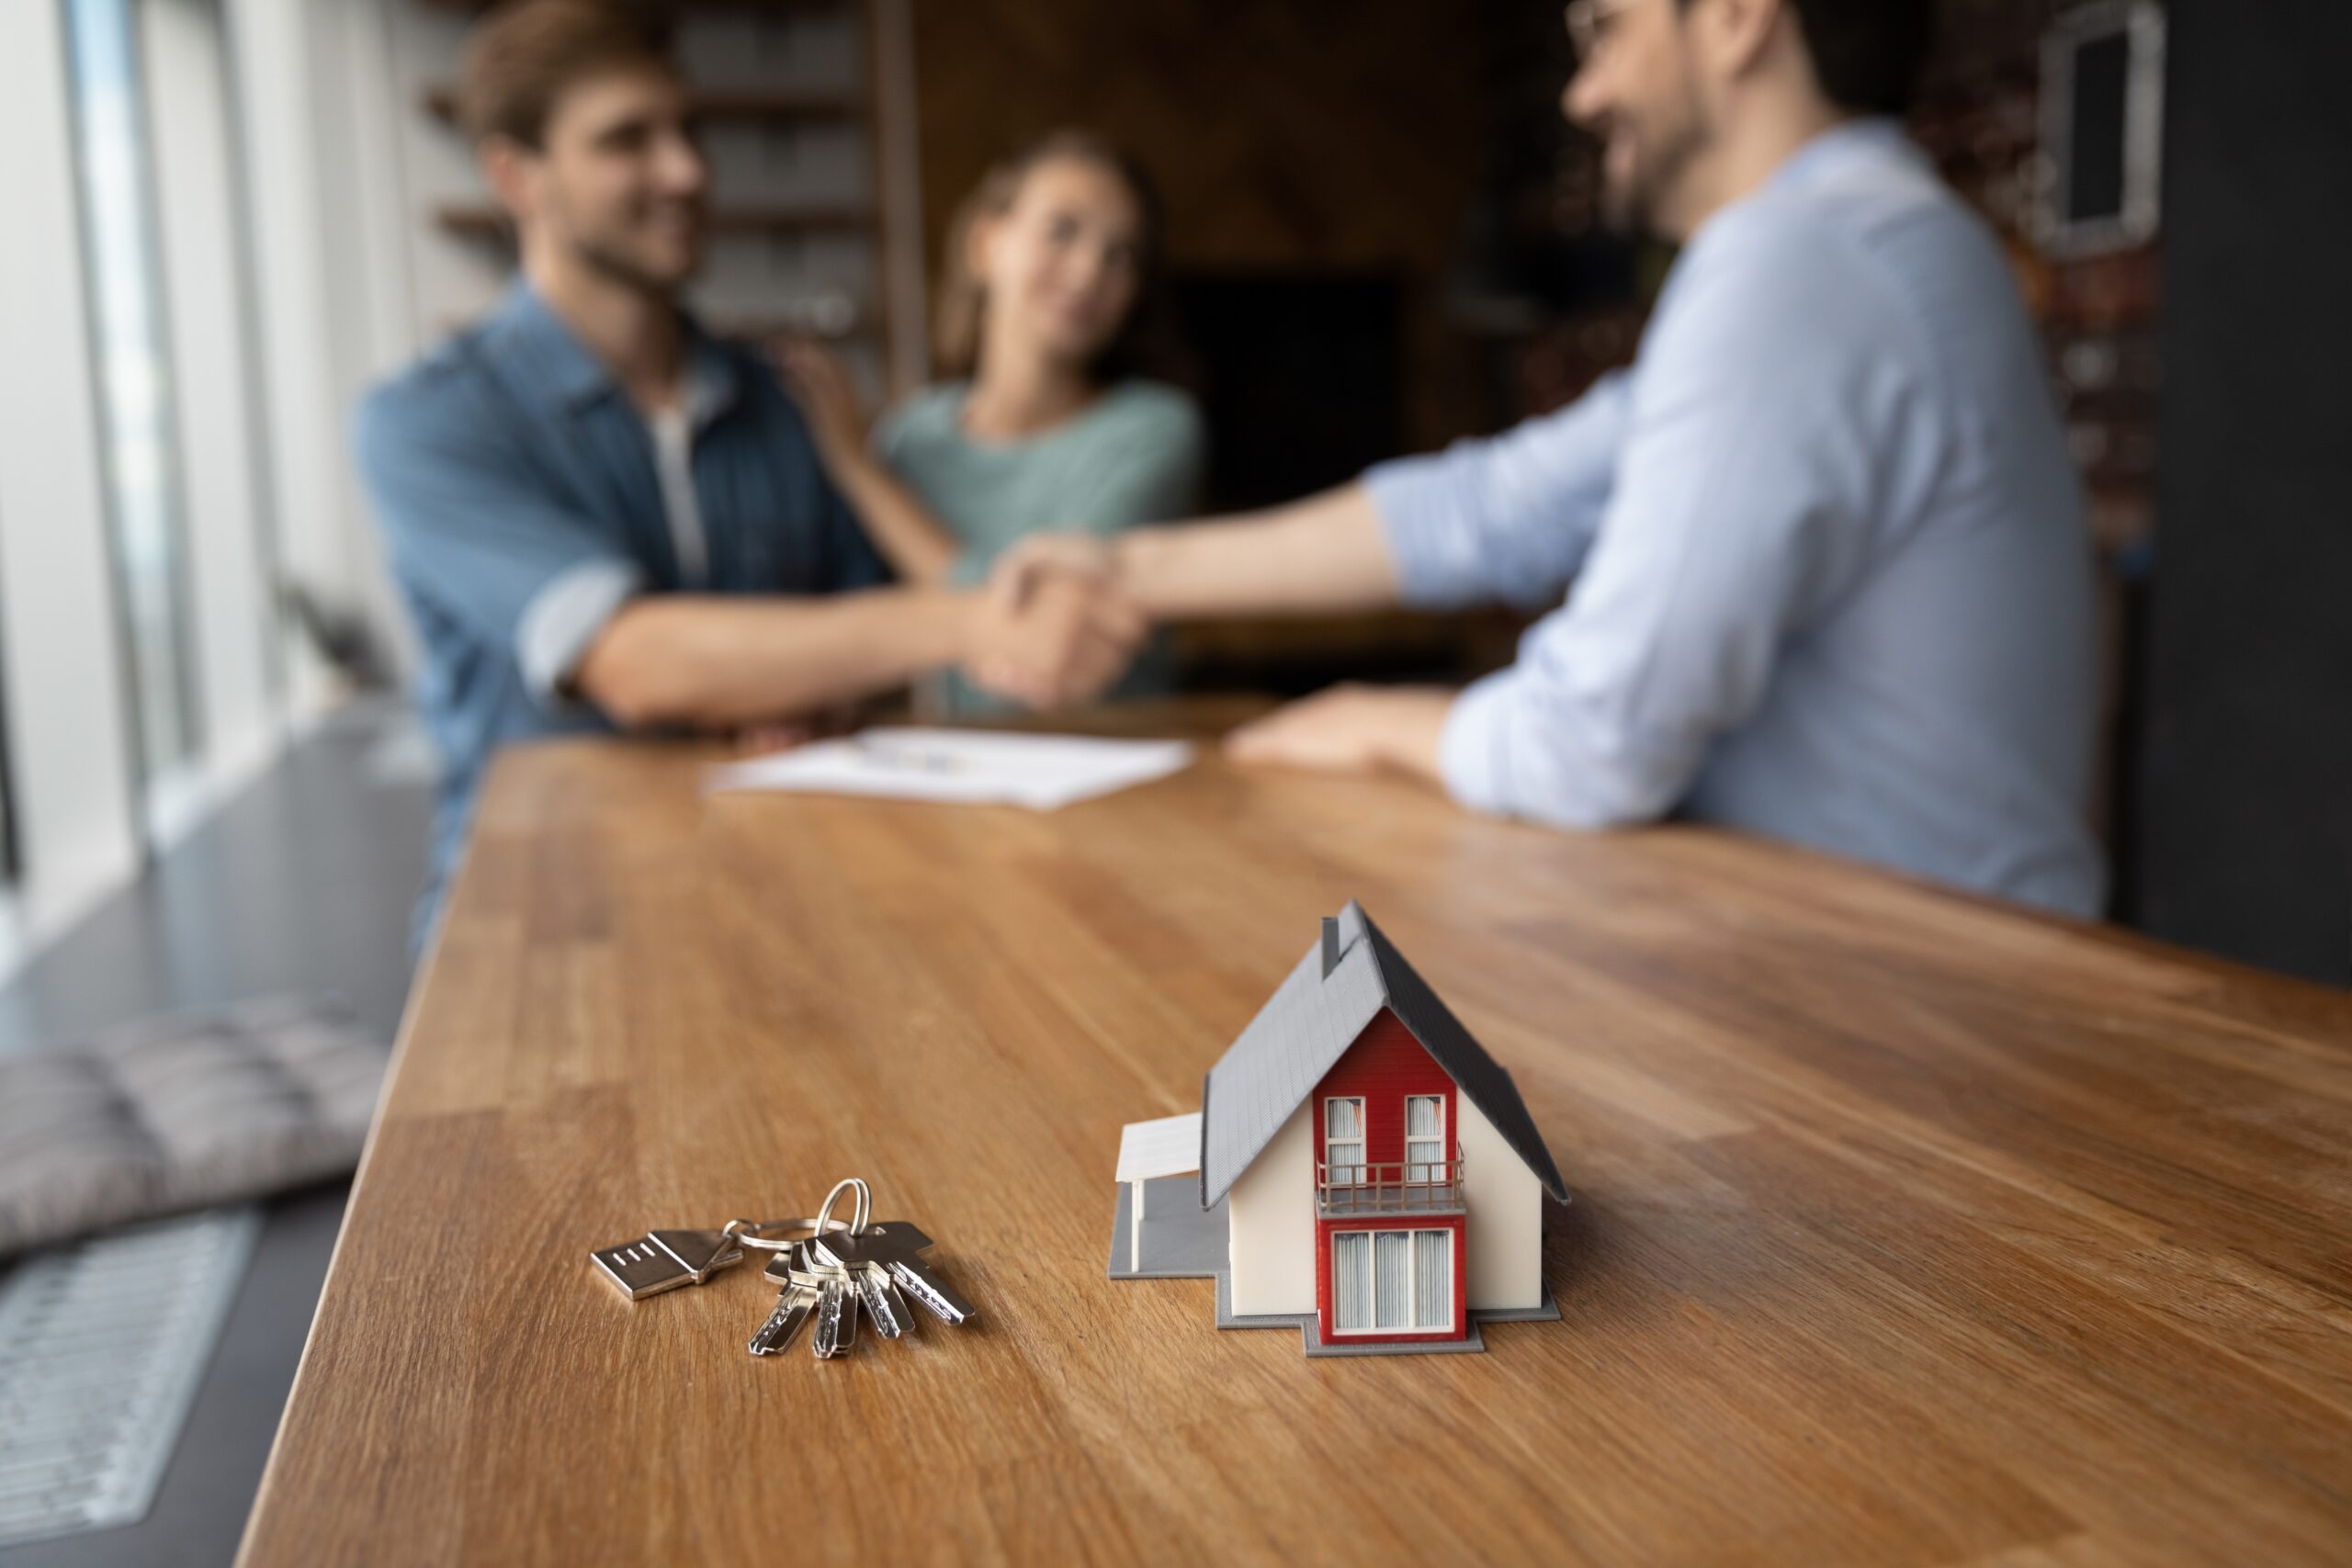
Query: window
x=9 y=868
x=1343 y=1139
x=134 y=374
x=1391 y=1281
x=1424 y=1137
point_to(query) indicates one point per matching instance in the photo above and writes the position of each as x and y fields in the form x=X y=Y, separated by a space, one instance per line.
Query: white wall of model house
x=1506 y=1217
x=1269 y=1219
x=1270 y=1224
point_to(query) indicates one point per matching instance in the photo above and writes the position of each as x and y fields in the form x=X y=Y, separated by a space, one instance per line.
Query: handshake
x=1054 y=627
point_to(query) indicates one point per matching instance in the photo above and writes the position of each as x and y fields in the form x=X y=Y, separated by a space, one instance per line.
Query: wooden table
x=1908 y=1229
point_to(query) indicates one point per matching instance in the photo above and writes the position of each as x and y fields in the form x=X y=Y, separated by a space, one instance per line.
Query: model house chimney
x=1330 y=945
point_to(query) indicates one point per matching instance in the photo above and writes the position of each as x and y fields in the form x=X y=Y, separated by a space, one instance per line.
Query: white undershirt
x=674 y=461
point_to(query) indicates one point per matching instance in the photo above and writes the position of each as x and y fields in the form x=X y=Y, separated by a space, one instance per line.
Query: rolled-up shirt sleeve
x=486 y=544
x=563 y=620
x=1509 y=517
x=1752 y=470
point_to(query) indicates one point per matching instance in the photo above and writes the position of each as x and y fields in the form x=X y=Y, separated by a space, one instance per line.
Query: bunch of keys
x=838 y=1268
x=826 y=1274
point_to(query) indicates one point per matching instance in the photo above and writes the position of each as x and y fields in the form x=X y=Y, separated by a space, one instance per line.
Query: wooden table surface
x=1908 y=1229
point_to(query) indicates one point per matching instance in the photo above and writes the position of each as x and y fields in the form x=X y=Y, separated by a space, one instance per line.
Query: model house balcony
x=1401 y=1187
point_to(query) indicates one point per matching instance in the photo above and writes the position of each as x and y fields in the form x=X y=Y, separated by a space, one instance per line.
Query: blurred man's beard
x=1633 y=206
x=1638 y=204
x=1624 y=210
x=612 y=261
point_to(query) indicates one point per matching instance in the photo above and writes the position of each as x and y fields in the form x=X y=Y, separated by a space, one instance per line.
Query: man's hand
x=1326 y=555
x=1065 y=640
x=785 y=734
x=1350 y=729
x=1036 y=558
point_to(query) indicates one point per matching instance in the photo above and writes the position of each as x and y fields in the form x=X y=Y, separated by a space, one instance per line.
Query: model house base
x=1366 y=1170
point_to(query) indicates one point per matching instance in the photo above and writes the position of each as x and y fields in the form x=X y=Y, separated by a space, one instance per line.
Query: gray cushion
x=181 y=1112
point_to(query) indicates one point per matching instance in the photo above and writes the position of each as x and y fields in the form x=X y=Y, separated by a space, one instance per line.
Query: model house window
x=1391 y=1281
x=1343 y=1139
x=1434 y=1278
x=1424 y=1137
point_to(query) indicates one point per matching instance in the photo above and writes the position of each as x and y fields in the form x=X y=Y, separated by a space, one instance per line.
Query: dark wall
x=2247 y=833
x=1314 y=138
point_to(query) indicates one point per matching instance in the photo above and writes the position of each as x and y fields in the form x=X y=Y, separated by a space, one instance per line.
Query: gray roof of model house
x=1307 y=1025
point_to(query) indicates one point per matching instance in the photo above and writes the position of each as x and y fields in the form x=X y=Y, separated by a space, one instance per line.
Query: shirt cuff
x=1416 y=499
x=1470 y=759
x=563 y=620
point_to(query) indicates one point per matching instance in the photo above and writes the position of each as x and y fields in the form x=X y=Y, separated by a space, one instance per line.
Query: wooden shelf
x=764 y=105
x=485 y=222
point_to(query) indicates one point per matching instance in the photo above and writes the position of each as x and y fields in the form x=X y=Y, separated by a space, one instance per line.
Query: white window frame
x=1428 y=1166
x=1412 y=1275
x=160 y=659
x=1331 y=1163
x=71 y=789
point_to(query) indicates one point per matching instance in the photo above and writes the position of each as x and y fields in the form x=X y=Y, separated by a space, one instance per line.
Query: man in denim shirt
x=601 y=516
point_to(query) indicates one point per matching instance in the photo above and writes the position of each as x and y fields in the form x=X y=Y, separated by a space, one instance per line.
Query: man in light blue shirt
x=1825 y=560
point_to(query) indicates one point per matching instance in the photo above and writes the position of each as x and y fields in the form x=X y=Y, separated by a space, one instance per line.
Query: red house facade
x=1392 y=1262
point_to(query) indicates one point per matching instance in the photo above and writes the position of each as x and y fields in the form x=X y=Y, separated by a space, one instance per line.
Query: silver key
x=884 y=1305
x=836 y=1315
x=837 y=1294
x=836 y=1297
x=793 y=1308
x=894 y=1250
x=664 y=1261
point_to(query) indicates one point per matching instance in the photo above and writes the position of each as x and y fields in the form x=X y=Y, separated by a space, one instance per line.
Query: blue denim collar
x=559 y=369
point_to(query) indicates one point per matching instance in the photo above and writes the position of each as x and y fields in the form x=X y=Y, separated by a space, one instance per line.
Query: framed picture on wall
x=2102 y=127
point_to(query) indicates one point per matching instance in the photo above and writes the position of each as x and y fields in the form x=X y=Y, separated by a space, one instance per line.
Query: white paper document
x=974 y=767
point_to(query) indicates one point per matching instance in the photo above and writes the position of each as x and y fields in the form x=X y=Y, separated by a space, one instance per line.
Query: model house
x=1367 y=1173
x=1379 y=1172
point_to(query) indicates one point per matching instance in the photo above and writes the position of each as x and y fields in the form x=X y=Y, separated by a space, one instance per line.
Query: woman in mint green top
x=1050 y=318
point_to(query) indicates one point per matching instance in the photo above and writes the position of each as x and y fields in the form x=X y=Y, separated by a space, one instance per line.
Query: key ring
x=745 y=1233
x=861 y=1215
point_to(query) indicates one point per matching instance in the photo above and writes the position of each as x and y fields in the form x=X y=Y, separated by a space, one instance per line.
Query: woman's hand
x=919 y=548
x=819 y=383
